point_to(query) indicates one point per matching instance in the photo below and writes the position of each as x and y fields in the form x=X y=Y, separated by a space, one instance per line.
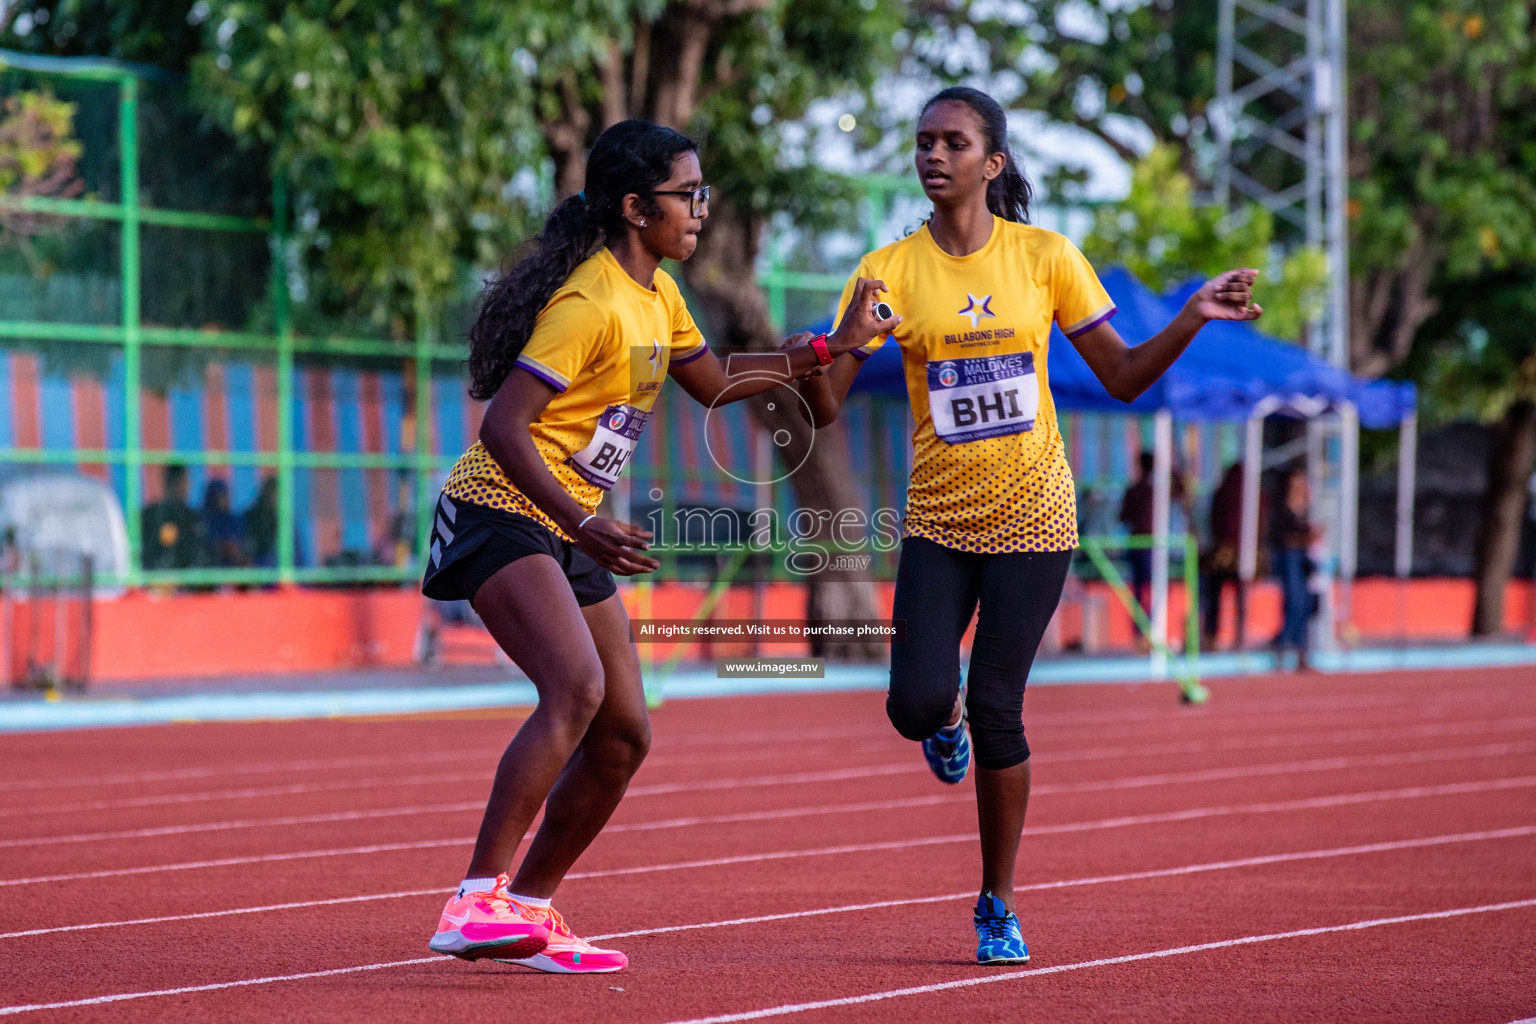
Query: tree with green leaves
x=1441 y=187
x=1160 y=234
x=38 y=155
x=1477 y=361
x=415 y=133
x=1441 y=147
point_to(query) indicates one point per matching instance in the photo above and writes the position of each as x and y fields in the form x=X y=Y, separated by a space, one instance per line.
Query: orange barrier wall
x=146 y=635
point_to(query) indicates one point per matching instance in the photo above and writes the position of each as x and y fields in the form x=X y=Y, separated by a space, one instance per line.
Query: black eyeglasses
x=698 y=198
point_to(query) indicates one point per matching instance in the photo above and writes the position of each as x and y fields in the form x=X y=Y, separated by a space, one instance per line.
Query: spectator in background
x=1219 y=561
x=398 y=545
x=1136 y=514
x=223 y=537
x=169 y=526
x=1291 y=534
x=261 y=526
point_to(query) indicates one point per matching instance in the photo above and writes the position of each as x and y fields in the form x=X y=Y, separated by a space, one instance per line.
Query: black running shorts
x=470 y=543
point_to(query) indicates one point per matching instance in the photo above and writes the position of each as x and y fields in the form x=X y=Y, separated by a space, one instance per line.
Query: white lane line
x=660 y=789
x=1305 y=803
x=232 y=912
x=224 y=826
x=1130 y=876
x=1453 y=789
x=251 y=793
x=481 y=776
x=228 y=862
x=797 y=736
x=262 y=768
x=1321 y=764
x=243 y=983
x=1049 y=757
x=1230 y=708
x=1480 y=727
x=373 y=782
x=832 y=851
x=799 y=778
x=1203 y=947
x=801 y=1007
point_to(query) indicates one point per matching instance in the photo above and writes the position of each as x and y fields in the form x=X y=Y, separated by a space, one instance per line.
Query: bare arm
x=711 y=382
x=1126 y=372
x=824 y=394
x=614 y=545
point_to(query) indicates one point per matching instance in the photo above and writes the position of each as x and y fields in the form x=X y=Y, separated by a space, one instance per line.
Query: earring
x=642 y=223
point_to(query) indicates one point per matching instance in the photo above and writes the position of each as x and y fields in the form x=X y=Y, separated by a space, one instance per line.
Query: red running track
x=1318 y=849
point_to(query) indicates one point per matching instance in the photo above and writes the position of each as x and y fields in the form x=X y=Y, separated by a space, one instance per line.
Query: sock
x=470 y=885
x=540 y=902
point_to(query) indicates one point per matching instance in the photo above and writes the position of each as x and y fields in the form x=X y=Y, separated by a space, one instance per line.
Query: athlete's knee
x=573 y=699
x=918 y=715
x=622 y=744
x=998 y=744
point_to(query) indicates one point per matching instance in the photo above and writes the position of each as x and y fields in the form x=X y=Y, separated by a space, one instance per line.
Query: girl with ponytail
x=571 y=348
x=991 y=506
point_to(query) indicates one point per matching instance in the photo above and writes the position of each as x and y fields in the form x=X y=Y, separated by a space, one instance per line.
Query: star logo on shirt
x=655 y=357
x=978 y=309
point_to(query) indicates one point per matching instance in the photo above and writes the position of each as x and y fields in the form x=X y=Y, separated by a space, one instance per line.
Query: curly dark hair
x=633 y=156
x=1008 y=194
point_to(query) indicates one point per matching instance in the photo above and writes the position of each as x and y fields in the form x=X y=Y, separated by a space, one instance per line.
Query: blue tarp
x=1227 y=370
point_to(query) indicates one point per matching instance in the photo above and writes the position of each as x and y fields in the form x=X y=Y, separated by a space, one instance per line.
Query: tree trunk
x=567 y=140
x=1498 y=539
x=665 y=72
x=1386 y=310
x=720 y=275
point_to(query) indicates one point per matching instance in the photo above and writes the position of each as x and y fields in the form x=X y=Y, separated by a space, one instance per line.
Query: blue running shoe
x=998 y=939
x=948 y=751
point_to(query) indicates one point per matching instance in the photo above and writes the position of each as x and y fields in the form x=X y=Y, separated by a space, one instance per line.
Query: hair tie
x=582 y=195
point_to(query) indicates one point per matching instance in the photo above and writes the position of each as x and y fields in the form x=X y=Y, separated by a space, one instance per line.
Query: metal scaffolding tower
x=1278 y=119
x=1279 y=126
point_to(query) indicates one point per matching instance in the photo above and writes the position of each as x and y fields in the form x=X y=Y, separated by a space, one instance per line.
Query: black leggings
x=937 y=591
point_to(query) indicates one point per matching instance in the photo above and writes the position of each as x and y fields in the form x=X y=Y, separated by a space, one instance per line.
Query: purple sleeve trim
x=1091 y=324
x=546 y=378
x=690 y=357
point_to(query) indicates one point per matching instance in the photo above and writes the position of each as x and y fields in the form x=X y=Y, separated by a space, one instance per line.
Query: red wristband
x=819 y=346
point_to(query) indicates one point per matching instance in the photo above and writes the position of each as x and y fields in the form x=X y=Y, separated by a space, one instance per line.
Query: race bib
x=613 y=442
x=986 y=396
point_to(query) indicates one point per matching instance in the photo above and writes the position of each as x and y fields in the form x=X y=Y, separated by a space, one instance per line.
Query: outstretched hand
x=1227 y=296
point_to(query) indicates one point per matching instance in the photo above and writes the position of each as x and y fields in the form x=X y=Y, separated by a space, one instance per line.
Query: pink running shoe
x=482 y=924
x=567 y=953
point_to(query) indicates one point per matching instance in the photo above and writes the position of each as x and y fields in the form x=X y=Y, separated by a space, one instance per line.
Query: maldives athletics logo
x=617 y=420
x=948 y=375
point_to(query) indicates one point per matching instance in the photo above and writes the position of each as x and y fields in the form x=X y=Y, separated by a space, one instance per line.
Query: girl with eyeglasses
x=991 y=515
x=571 y=348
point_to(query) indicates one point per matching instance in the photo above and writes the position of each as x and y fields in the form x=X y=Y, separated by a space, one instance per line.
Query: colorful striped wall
x=231 y=405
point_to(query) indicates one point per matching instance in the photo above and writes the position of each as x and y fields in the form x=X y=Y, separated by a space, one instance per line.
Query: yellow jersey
x=604 y=342
x=989 y=470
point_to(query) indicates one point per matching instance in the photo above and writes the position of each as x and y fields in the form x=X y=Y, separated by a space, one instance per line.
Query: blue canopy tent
x=1227 y=371
x=1230 y=372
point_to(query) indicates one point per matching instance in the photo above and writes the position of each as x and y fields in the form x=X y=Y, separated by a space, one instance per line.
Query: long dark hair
x=1009 y=193
x=631 y=157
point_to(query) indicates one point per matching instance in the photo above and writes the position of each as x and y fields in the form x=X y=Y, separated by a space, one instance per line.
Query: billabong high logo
x=654 y=358
x=978 y=309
